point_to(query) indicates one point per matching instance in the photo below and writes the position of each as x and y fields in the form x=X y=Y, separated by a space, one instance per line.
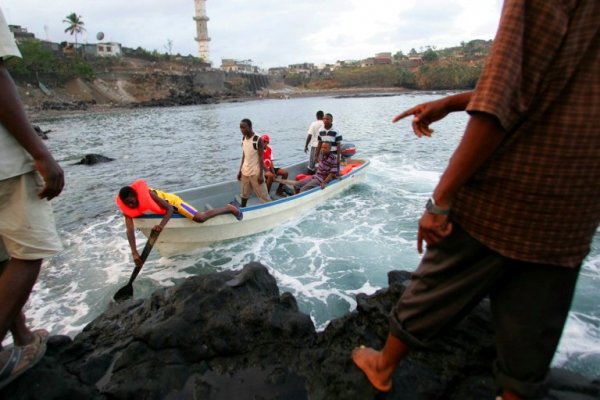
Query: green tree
x=398 y=55
x=75 y=26
x=430 y=55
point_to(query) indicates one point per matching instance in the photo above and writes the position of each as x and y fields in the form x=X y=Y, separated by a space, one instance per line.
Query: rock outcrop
x=91 y=159
x=233 y=335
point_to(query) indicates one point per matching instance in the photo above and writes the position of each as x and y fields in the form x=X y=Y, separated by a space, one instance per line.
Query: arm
x=329 y=178
x=338 y=146
x=164 y=205
x=308 y=138
x=482 y=137
x=318 y=151
x=12 y=116
x=427 y=113
x=261 y=151
x=131 y=239
x=239 y=175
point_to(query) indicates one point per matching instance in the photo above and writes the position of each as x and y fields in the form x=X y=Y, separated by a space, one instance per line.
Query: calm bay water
x=345 y=247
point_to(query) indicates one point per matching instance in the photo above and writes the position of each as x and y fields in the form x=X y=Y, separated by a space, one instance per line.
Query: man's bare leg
x=228 y=209
x=16 y=281
x=379 y=366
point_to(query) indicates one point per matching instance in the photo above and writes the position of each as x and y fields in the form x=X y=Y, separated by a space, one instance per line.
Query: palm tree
x=75 y=26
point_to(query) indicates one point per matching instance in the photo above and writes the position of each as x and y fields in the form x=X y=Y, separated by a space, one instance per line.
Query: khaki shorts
x=27 y=228
x=250 y=184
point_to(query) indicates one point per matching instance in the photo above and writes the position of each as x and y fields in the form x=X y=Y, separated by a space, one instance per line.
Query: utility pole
x=202 y=29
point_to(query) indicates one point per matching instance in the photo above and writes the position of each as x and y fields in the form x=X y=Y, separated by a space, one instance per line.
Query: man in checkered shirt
x=514 y=214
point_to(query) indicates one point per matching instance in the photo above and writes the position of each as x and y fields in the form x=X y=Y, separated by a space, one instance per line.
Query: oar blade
x=126 y=292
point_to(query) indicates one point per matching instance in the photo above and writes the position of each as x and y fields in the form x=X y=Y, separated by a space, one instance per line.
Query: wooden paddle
x=126 y=291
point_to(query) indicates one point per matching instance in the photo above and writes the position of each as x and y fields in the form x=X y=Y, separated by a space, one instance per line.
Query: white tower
x=202 y=29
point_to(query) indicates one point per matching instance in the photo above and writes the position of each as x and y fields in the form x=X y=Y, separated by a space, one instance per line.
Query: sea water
x=345 y=247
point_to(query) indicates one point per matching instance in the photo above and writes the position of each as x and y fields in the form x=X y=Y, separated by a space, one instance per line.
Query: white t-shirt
x=14 y=160
x=313 y=130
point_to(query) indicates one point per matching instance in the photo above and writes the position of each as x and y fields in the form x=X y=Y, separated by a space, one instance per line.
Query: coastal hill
x=50 y=80
x=233 y=335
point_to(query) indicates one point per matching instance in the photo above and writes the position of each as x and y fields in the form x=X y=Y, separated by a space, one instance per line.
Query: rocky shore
x=233 y=335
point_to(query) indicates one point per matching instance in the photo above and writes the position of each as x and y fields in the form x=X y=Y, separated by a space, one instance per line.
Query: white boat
x=181 y=234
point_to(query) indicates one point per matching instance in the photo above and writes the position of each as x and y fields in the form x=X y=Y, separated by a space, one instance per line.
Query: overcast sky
x=271 y=33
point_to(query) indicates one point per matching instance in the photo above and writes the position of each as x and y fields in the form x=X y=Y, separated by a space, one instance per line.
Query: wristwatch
x=433 y=208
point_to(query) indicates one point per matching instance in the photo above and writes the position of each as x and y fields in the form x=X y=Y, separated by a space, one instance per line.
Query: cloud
x=269 y=32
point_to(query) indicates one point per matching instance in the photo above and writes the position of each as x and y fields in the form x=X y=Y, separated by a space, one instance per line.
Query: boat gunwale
x=272 y=203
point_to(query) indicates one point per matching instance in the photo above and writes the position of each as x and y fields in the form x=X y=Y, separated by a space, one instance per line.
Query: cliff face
x=232 y=335
x=135 y=82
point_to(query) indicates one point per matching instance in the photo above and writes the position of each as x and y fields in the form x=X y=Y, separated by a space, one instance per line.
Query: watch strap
x=433 y=208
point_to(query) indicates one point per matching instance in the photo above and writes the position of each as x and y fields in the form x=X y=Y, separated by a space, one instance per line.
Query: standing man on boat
x=252 y=168
x=29 y=178
x=515 y=211
x=329 y=135
x=312 y=140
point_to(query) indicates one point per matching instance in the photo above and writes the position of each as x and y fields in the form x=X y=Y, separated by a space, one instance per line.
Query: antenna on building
x=202 y=29
x=46 y=31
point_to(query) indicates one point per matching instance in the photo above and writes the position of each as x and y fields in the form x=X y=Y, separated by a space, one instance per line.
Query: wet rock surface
x=233 y=335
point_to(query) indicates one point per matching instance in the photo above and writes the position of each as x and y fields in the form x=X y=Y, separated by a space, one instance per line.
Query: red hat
x=266 y=138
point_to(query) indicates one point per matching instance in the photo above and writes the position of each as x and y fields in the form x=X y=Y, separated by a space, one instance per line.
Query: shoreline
x=35 y=114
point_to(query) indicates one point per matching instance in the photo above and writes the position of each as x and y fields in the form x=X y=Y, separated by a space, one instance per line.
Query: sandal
x=21 y=359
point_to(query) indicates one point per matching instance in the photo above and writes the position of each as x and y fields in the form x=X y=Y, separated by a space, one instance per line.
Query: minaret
x=202 y=29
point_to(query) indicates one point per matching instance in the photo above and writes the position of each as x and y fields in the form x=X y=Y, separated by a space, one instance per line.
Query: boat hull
x=183 y=235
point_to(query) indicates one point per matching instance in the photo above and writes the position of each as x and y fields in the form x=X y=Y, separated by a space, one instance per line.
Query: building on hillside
x=304 y=69
x=382 y=58
x=109 y=49
x=278 y=72
x=241 y=66
x=20 y=33
x=202 y=29
x=415 y=61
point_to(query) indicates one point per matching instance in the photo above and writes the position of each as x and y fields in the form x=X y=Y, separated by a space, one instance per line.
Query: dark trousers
x=529 y=302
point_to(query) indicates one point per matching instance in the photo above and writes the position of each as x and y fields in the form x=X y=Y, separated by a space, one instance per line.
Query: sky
x=271 y=33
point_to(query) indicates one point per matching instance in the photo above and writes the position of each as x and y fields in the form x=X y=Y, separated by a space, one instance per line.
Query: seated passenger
x=272 y=172
x=139 y=199
x=326 y=171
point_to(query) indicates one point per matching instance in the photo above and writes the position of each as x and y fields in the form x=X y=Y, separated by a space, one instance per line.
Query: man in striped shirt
x=326 y=171
x=331 y=136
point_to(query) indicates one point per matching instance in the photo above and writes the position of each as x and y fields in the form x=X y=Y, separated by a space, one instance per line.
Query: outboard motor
x=348 y=150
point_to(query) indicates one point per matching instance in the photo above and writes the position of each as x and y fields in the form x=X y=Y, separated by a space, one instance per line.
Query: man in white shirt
x=29 y=176
x=312 y=140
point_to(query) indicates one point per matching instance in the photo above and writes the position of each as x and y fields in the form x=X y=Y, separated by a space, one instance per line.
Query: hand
x=239 y=176
x=323 y=185
x=157 y=228
x=432 y=229
x=137 y=260
x=53 y=175
x=261 y=179
x=424 y=115
x=305 y=150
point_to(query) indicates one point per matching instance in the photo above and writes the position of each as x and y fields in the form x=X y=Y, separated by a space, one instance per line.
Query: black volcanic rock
x=218 y=337
x=91 y=159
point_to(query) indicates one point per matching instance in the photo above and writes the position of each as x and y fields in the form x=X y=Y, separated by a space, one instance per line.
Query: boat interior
x=218 y=195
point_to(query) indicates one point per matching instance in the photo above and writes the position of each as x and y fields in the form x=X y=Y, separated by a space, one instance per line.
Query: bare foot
x=370 y=363
x=31 y=337
x=235 y=211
